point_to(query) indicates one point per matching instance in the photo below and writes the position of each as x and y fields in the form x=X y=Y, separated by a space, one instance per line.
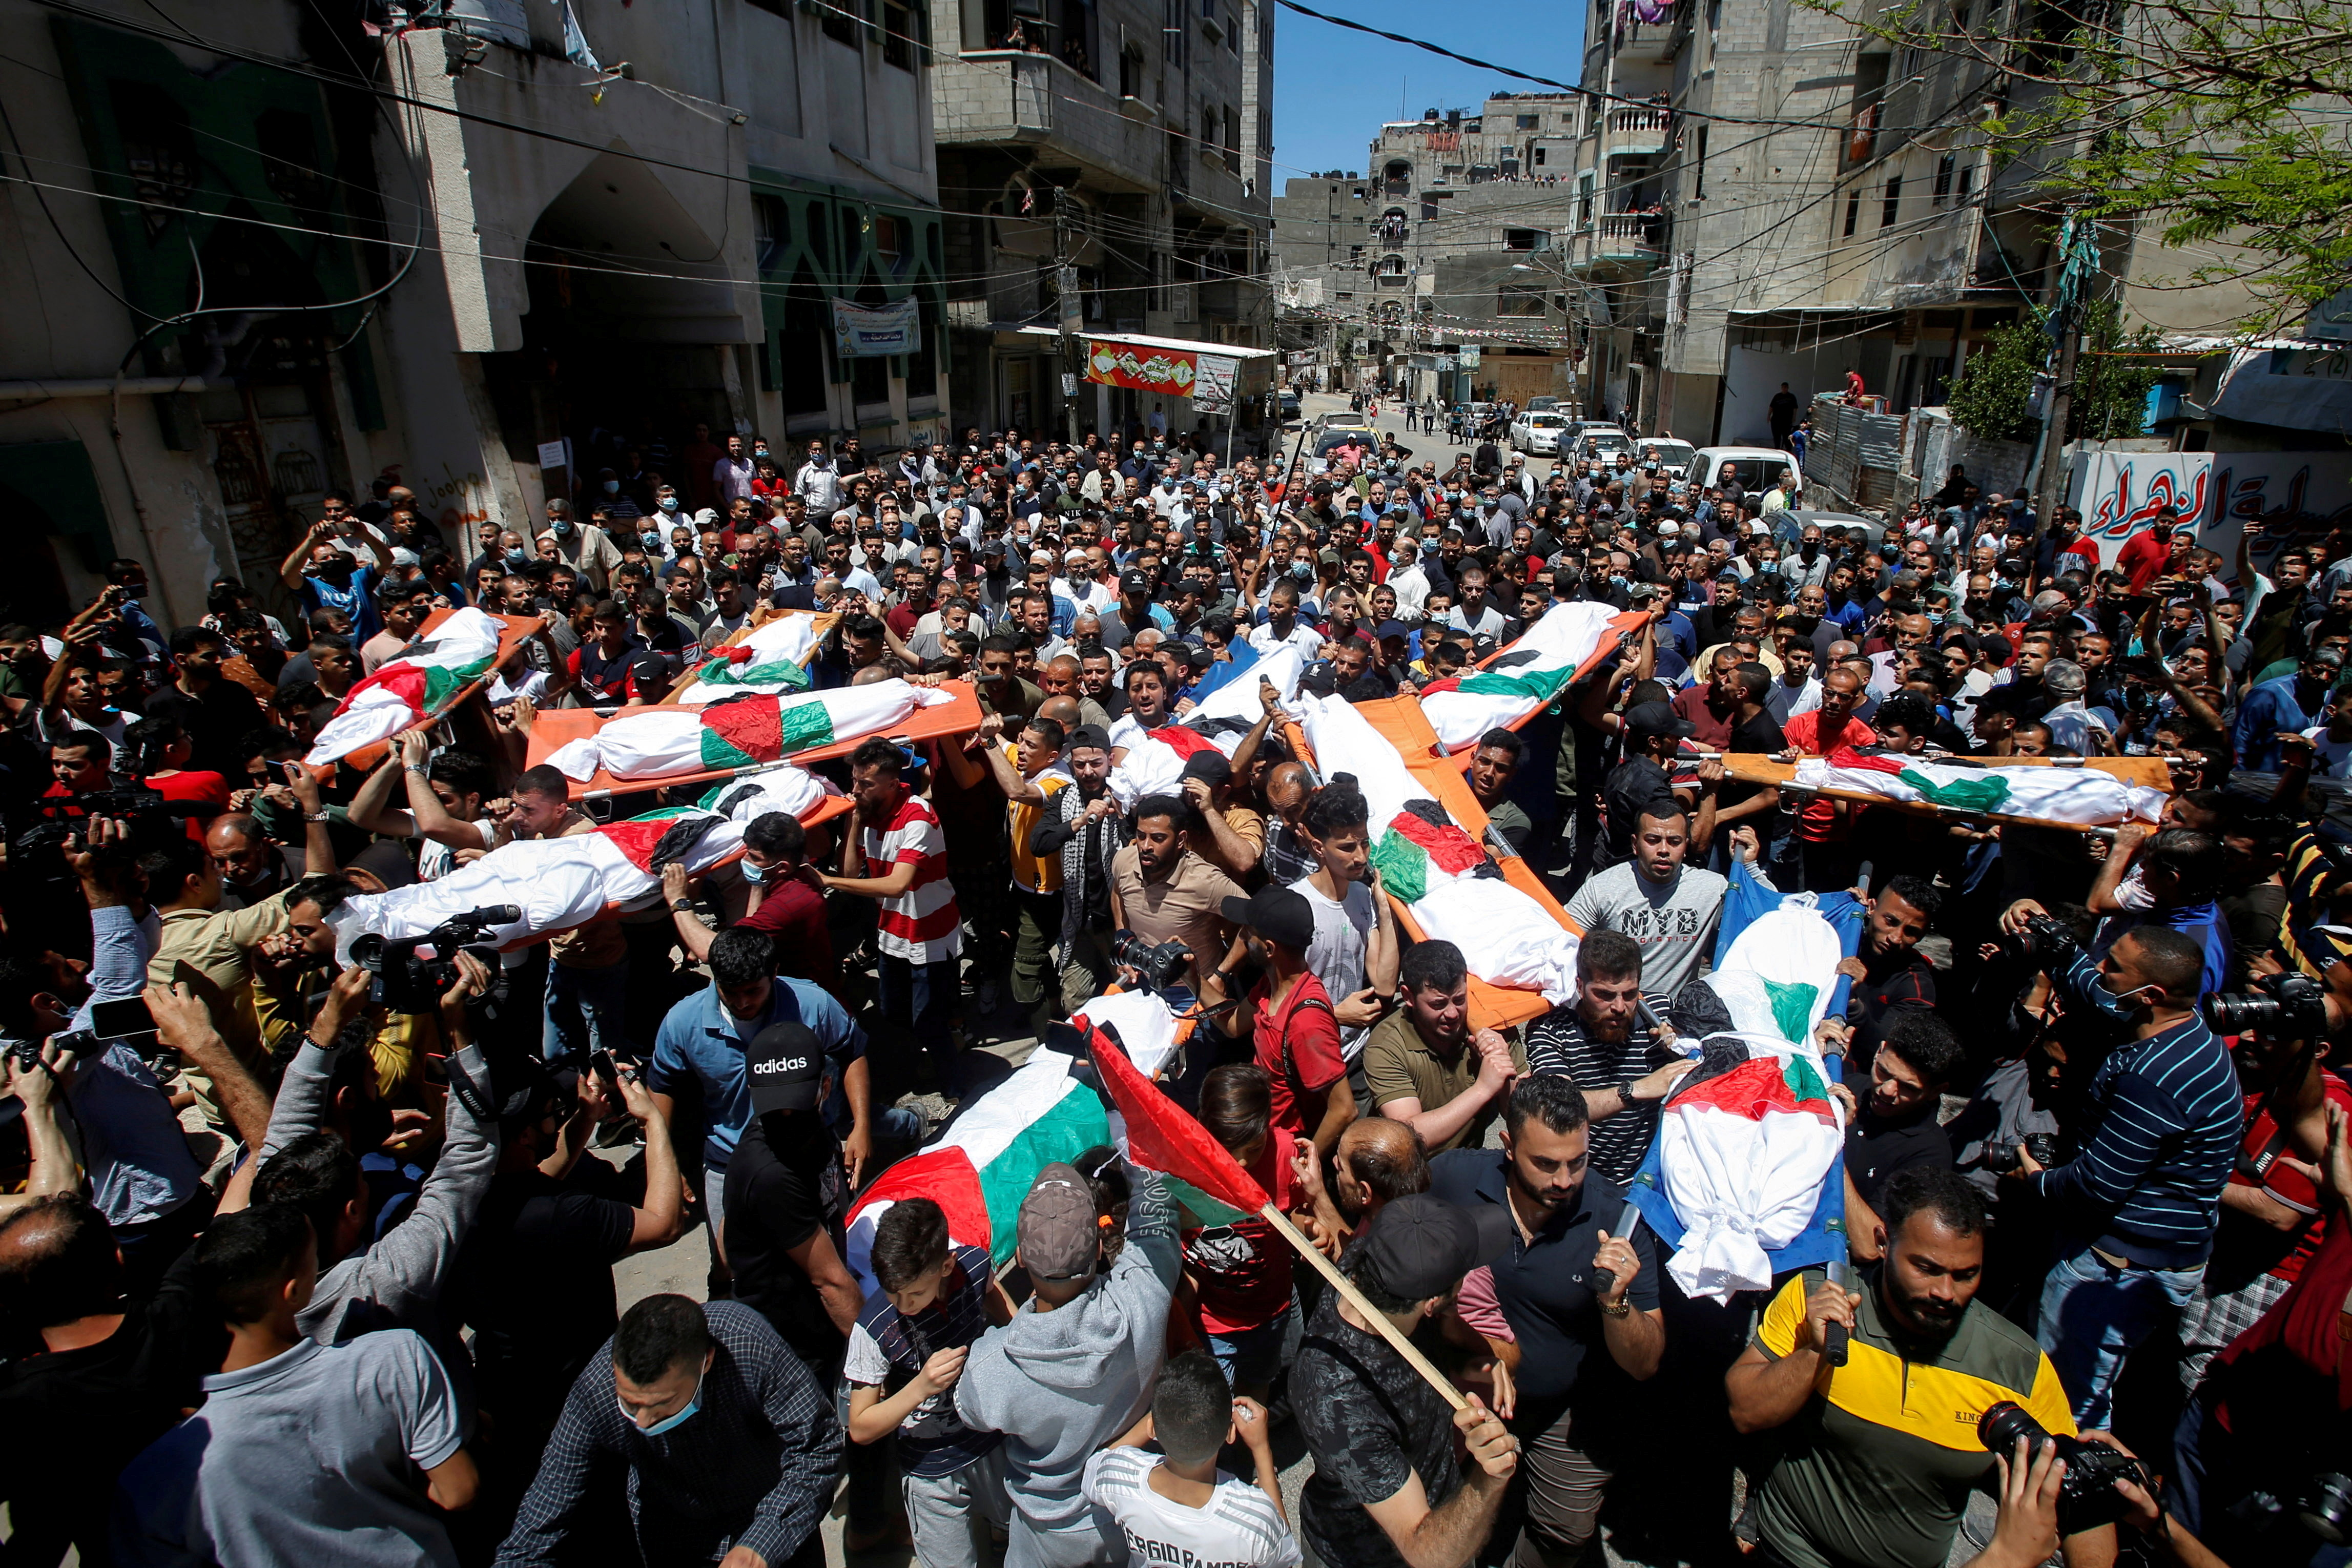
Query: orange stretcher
x=1402 y=723
x=553 y=727
x=2147 y=772
x=513 y=632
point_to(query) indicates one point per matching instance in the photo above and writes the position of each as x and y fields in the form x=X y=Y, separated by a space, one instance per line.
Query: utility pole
x=2062 y=401
x=1067 y=312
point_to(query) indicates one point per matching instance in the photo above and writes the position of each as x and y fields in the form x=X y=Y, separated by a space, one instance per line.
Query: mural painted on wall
x=2294 y=496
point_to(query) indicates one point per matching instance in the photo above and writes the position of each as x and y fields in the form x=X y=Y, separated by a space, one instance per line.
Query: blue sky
x=1333 y=88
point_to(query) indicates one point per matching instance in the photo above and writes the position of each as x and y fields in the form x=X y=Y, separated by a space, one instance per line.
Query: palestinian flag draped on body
x=1154 y=762
x=417 y=686
x=739 y=732
x=771 y=658
x=2085 y=797
x=557 y=883
x=1744 y=1179
x=1569 y=640
x=981 y=1166
x=1454 y=889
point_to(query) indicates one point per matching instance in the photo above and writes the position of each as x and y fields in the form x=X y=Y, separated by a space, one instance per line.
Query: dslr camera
x=2285 y=1007
x=2087 y=1497
x=1159 y=967
x=406 y=980
x=2001 y=1158
x=2046 y=943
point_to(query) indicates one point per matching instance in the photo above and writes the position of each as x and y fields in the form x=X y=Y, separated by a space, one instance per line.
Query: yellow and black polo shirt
x=1876 y=1472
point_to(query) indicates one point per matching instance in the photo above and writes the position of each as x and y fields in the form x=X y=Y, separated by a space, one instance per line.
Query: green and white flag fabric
x=771 y=659
x=1531 y=673
x=660 y=742
x=2086 y=797
x=1454 y=889
x=414 y=687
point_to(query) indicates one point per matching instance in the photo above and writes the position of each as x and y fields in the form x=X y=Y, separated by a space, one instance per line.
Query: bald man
x=1376 y=1162
x=1288 y=855
x=252 y=868
x=1061 y=676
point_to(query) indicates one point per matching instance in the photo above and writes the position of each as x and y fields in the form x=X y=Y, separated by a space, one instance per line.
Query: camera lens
x=2004 y=1423
x=2327 y=1509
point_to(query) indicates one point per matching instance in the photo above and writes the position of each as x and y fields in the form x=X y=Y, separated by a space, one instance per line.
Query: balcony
x=1638 y=133
x=1621 y=245
x=1005 y=97
x=1647 y=31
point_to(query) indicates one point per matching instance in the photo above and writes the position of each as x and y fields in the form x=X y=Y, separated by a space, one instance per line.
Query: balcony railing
x=1635 y=132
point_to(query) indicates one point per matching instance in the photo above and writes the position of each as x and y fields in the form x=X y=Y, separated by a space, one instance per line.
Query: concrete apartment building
x=1129 y=142
x=1447 y=243
x=279 y=255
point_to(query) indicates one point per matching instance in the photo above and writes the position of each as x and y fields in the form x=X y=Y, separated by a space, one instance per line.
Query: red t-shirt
x=1242 y=1270
x=1818 y=823
x=2142 y=557
x=2262 y=1149
x=1714 y=731
x=793 y=915
x=202 y=796
x=1309 y=1029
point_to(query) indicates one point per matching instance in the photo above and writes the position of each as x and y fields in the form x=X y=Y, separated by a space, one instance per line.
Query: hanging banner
x=1170 y=371
x=1213 y=387
x=861 y=331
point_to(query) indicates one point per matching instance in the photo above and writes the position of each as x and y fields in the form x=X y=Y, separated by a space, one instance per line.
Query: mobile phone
x=122 y=1019
x=605 y=1068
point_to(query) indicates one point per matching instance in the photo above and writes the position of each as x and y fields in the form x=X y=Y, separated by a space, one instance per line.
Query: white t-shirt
x=1239 y=1528
x=1336 y=957
x=2334 y=758
x=1303 y=637
x=437 y=859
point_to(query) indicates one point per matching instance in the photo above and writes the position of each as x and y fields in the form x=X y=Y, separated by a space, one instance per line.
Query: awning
x=1164 y=367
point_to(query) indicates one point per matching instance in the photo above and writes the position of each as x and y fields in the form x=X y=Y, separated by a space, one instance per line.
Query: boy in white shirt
x=1180 y=1508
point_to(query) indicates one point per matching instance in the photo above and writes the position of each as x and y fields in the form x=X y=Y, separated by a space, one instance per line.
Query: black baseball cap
x=1135 y=583
x=785 y=1066
x=1658 y=719
x=1419 y=1247
x=1276 y=913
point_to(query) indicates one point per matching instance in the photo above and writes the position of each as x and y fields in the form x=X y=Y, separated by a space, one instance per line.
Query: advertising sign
x=1213 y=385
x=1171 y=372
x=861 y=331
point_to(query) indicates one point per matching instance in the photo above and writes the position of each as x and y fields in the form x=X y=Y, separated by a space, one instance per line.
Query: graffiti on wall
x=2120 y=493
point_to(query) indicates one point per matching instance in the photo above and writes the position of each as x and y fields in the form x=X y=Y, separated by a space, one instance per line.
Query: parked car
x=1599 y=441
x=1289 y=403
x=1870 y=529
x=1758 y=466
x=1538 y=404
x=1345 y=419
x=1537 y=433
x=1672 y=456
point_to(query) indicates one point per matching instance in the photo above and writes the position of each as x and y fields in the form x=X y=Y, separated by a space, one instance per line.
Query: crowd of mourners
x=300 y=1265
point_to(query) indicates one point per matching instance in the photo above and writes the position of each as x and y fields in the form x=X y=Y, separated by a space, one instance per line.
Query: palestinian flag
x=415 y=688
x=2085 y=797
x=1743 y=1179
x=771 y=657
x=557 y=883
x=1453 y=888
x=1157 y=1134
x=740 y=733
x=785 y=787
x=1154 y=762
x=980 y=1169
x=1569 y=642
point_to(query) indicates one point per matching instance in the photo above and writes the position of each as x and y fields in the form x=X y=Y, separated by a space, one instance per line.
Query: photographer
x=1163 y=892
x=1856 y=1480
x=2137 y=1206
x=1295 y=1033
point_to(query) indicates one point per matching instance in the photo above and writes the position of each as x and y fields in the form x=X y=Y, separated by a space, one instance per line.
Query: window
x=1531 y=122
x=1893 y=204
x=889 y=240
x=774 y=231
x=1176 y=37
x=1516 y=300
x=1853 y=213
x=1968 y=178
x=898 y=35
x=1232 y=32
x=840 y=22
x=1944 y=167
x=1355 y=253
x=1234 y=141
x=1521 y=239
x=1130 y=71
x=1698 y=167
x=1539 y=157
x=1584 y=198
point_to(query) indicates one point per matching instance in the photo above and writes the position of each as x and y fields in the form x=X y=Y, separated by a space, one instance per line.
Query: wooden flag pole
x=1378 y=1320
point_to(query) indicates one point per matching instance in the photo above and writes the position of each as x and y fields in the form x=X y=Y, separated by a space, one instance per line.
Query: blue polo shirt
x=1544 y=1288
x=702 y=1042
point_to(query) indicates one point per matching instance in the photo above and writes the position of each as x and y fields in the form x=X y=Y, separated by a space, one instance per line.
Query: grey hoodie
x=1060 y=1385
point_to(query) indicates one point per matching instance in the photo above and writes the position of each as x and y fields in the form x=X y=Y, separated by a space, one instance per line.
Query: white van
x=1758 y=466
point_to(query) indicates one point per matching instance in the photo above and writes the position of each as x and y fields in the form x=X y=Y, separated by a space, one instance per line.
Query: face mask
x=562 y=526
x=1302 y=569
x=755 y=875
x=651 y=540
x=669 y=503
x=612 y=487
x=670 y=1423
x=516 y=557
x=2118 y=1007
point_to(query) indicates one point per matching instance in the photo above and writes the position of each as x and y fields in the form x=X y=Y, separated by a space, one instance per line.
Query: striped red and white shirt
x=921 y=925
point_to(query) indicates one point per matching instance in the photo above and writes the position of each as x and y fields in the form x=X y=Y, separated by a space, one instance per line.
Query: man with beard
x=1600 y=1045
x=1085 y=827
x=1866 y=1474
x=1579 y=1340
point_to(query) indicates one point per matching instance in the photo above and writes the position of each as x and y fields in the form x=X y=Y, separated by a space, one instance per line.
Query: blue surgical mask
x=612 y=487
x=516 y=557
x=668 y=1423
x=1302 y=569
x=668 y=503
x=651 y=539
x=2118 y=1007
x=562 y=526
x=755 y=875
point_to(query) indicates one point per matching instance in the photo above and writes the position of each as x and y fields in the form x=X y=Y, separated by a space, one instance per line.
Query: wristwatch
x=681 y=904
x=1625 y=1092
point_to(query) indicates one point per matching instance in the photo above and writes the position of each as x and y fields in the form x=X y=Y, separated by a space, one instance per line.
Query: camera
x=2045 y=941
x=2286 y=1006
x=2087 y=1497
x=407 y=982
x=2001 y=1158
x=1158 y=966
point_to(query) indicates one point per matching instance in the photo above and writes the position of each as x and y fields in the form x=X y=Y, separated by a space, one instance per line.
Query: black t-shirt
x=77 y=1418
x=1876 y=1149
x=776 y=1200
x=1888 y=984
x=1759 y=734
x=1631 y=784
x=1371 y=1421
x=535 y=1283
